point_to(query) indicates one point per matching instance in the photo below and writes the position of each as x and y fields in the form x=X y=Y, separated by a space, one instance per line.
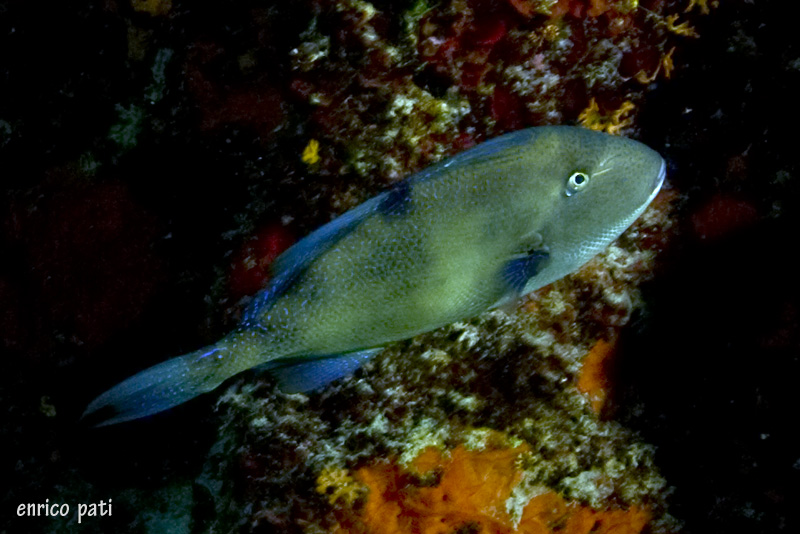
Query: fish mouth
x=662 y=173
x=658 y=182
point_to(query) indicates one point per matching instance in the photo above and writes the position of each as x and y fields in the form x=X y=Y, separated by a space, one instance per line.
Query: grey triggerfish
x=463 y=236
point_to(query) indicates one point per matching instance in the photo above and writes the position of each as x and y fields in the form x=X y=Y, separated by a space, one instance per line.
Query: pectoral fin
x=518 y=271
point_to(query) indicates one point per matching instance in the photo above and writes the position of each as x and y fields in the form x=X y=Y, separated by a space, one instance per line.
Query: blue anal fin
x=518 y=271
x=302 y=375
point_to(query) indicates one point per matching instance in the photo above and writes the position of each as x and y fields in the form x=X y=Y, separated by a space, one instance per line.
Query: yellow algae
x=702 y=4
x=338 y=484
x=153 y=7
x=612 y=123
x=680 y=29
x=666 y=62
x=311 y=152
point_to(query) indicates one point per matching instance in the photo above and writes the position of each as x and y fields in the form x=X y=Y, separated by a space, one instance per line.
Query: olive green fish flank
x=461 y=237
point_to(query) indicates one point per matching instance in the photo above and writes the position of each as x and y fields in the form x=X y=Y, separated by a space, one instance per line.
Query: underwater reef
x=159 y=155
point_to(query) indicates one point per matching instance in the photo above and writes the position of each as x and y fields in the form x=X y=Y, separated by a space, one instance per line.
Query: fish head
x=596 y=186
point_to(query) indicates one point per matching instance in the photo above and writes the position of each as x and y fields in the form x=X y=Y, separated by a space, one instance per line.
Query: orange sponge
x=593 y=378
x=467 y=492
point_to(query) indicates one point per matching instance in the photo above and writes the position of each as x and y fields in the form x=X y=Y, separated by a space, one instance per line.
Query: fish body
x=464 y=236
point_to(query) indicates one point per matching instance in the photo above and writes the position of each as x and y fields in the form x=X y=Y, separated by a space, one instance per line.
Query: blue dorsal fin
x=264 y=298
x=301 y=254
x=299 y=375
x=287 y=267
x=518 y=271
x=498 y=148
x=397 y=201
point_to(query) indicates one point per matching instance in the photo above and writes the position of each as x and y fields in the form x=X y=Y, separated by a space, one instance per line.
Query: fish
x=468 y=234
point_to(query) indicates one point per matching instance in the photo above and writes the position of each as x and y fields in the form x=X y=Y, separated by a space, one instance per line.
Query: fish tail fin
x=159 y=388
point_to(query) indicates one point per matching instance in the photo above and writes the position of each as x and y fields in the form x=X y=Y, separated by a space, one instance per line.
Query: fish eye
x=576 y=182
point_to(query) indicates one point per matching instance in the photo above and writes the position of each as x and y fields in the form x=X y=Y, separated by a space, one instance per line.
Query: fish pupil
x=577 y=181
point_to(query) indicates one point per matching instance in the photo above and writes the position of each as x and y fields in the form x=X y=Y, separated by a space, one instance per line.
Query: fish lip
x=662 y=174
